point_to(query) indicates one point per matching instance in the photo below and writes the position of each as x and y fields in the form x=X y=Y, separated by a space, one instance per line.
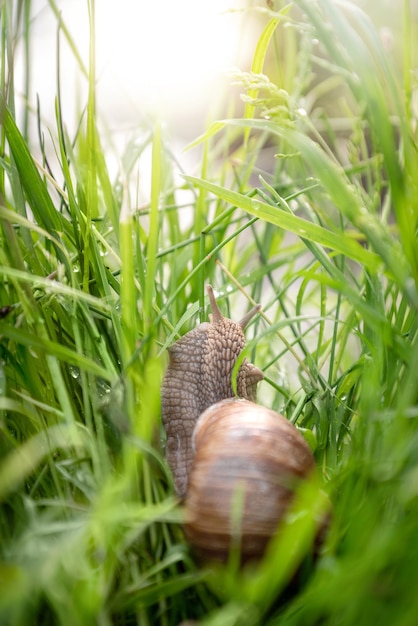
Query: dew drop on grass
x=74 y=372
x=103 y=389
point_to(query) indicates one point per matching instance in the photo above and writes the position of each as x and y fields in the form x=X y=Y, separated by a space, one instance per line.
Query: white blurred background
x=165 y=59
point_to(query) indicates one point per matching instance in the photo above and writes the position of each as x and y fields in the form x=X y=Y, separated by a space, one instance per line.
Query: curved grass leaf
x=35 y=190
x=17 y=466
x=302 y=228
x=53 y=348
x=257 y=67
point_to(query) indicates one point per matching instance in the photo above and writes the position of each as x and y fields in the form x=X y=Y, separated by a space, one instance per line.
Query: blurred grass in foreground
x=310 y=211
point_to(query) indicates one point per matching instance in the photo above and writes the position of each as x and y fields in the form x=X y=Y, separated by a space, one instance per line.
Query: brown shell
x=248 y=461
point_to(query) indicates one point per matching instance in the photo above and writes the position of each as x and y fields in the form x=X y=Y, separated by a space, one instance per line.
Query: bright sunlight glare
x=166 y=59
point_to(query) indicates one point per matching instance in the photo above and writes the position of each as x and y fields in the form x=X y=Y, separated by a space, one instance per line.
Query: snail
x=233 y=461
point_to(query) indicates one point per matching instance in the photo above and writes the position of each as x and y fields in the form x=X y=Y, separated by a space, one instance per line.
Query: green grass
x=93 y=289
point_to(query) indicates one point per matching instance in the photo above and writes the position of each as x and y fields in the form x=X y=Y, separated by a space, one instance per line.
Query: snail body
x=199 y=374
x=236 y=464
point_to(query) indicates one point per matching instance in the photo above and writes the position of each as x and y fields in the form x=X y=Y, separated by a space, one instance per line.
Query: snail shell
x=247 y=464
